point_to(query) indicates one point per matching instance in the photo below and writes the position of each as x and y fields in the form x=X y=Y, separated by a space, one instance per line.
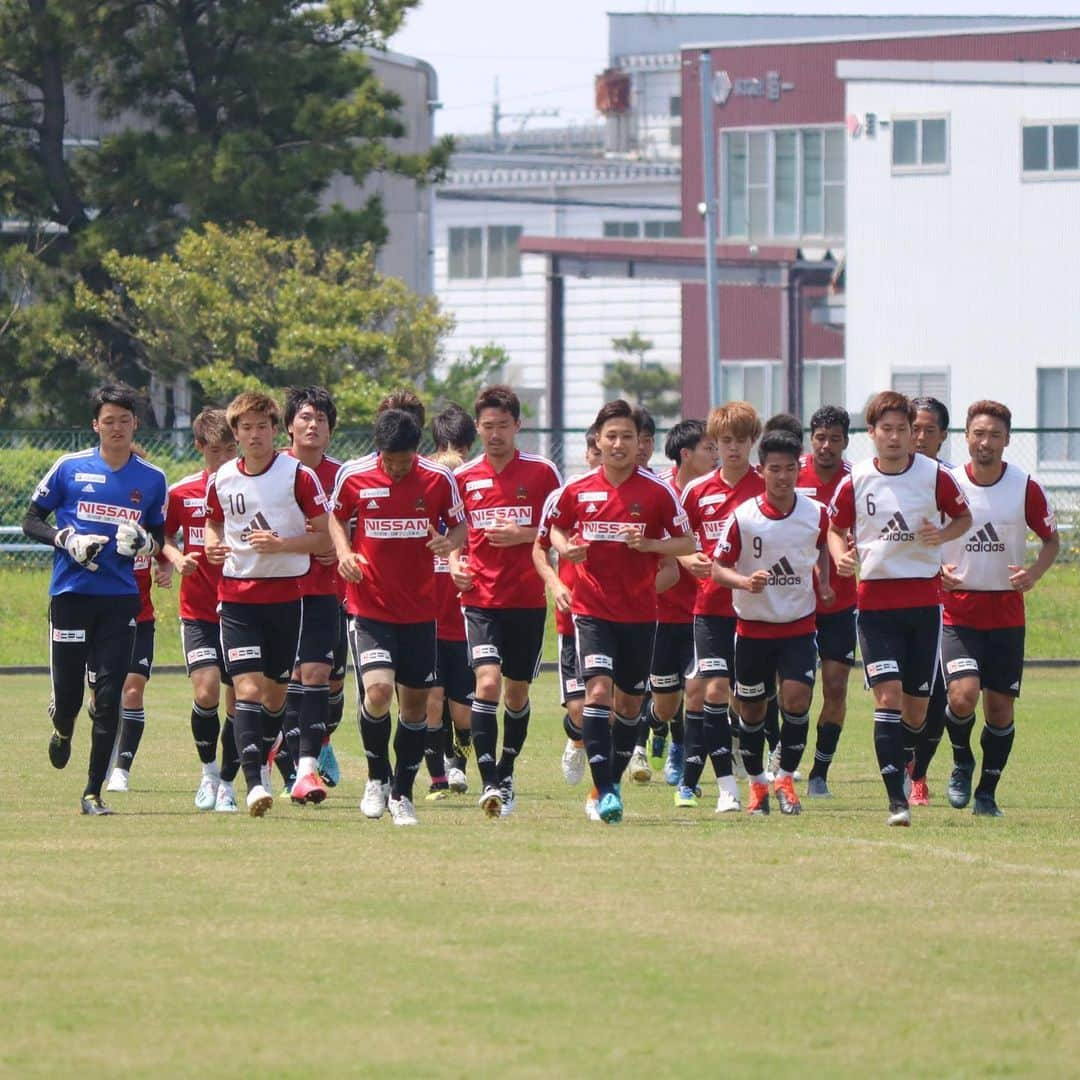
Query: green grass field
x=313 y=941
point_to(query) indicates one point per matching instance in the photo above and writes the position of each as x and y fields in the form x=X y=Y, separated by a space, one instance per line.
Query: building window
x=675 y=105
x=761 y=382
x=1059 y=407
x=920 y=144
x=630 y=230
x=625 y=230
x=915 y=383
x=466 y=253
x=786 y=183
x=657 y=230
x=503 y=253
x=1051 y=150
x=822 y=384
x=470 y=257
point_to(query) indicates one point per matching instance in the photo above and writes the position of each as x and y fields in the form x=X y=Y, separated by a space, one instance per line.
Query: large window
x=503 y=256
x=1059 y=407
x=822 y=384
x=761 y=382
x=477 y=253
x=920 y=144
x=913 y=383
x=1051 y=150
x=654 y=230
x=466 y=253
x=785 y=183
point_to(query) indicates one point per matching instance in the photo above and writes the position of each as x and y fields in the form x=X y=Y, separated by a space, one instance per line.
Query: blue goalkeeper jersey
x=84 y=493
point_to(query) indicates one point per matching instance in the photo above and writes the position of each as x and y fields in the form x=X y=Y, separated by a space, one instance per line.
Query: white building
x=963 y=187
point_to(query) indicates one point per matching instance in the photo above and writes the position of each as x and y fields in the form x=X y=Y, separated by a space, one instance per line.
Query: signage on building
x=771 y=87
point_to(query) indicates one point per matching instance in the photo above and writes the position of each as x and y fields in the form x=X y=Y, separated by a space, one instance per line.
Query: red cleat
x=308 y=789
x=920 y=793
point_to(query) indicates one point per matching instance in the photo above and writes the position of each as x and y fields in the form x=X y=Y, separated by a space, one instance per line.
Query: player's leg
x=754 y=668
x=572 y=698
x=927 y=744
x=438 y=711
x=596 y=645
x=459 y=687
x=372 y=644
x=69 y=649
x=130 y=732
x=1004 y=667
x=329 y=769
x=711 y=666
x=640 y=770
x=796 y=664
x=961 y=653
x=716 y=728
x=318 y=637
x=670 y=710
x=483 y=633
x=206 y=728
x=230 y=756
x=836 y=651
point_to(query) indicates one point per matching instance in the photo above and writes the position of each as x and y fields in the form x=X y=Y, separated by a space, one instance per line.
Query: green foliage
x=466 y=376
x=640 y=381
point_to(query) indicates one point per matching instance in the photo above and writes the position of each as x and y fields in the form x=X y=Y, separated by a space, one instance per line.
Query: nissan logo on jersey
x=106 y=512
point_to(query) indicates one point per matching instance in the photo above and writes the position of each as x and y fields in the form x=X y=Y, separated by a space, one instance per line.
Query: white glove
x=133 y=540
x=82 y=547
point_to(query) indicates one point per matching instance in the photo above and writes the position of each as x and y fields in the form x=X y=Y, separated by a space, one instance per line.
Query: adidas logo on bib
x=897 y=530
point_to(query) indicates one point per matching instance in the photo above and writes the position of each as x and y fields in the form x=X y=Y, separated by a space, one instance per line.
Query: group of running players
x=695 y=606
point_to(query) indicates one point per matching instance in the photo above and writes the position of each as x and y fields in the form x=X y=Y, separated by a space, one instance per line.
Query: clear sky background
x=545 y=53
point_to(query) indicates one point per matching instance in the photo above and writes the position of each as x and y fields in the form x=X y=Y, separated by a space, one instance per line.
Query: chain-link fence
x=1052 y=455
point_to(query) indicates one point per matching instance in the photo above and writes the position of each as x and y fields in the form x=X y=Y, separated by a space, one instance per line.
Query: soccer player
x=819 y=476
x=110 y=509
x=504 y=491
x=317 y=685
x=265 y=517
x=709 y=501
x=615 y=524
x=767 y=555
x=200 y=629
x=400 y=501
x=982 y=645
x=892 y=504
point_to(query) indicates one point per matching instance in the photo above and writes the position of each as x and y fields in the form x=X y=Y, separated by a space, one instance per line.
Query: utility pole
x=709 y=208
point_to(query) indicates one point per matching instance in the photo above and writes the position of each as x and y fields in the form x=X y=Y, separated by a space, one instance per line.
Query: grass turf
x=169 y=941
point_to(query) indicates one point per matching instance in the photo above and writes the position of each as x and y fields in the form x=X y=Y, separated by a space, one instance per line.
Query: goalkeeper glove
x=133 y=540
x=84 y=548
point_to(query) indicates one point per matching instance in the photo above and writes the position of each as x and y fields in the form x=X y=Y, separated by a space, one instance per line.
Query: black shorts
x=994 y=657
x=714 y=648
x=408 y=649
x=260 y=637
x=142 y=654
x=901 y=644
x=759 y=661
x=201 y=642
x=453 y=672
x=672 y=657
x=323 y=634
x=836 y=636
x=510 y=637
x=620 y=651
x=571 y=684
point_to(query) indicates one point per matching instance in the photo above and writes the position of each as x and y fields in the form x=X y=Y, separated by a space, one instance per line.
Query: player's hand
x=1020 y=579
x=562 y=596
x=826 y=594
x=163 y=575
x=503 y=533
x=84 y=548
x=930 y=534
x=132 y=540
x=264 y=541
x=327 y=558
x=462 y=577
x=848 y=563
x=577 y=550
x=188 y=564
x=949 y=578
x=757 y=581
x=636 y=540
x=350 y=567
x=439 y=544
x=217 y=553
x=700 y=566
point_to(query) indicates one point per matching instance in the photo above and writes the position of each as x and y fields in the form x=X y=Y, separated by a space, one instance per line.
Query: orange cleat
x=920 y=793
x=308 y=789
x=759 y=799
x=786 y=797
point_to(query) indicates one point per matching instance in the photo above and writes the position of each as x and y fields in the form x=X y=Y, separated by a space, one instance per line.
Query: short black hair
x=318 y=397
x=453 y=427
x=933 y=405
x=592 y=434
x=396 y=430
x=646 y=425
x=685 y=435
x=831 y=416
x=784 y=421
x=499 y=396
x=779 y=441
x=619 y=409
x=117 y=394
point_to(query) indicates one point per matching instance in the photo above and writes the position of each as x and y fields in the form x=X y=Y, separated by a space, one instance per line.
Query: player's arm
x=841 y=521
x=667 y=574
x=214 y=547
x=677 y=537
x=350 y=563
x=726 y=555
x=36 y=525
x=1041 y=520
x=314 y=540
x=952 y=503
x=541 y=557
x=825 y=591
x=82 y=547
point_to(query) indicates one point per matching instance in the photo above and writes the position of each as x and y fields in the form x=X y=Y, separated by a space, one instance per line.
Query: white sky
x=545 y=53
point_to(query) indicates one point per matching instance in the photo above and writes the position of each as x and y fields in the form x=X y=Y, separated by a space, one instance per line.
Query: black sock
x=793 y=731
x=290 y=724
x=248 y=732
x=910 y=737
x=889 y=746
x=929 y=739
x=434 y=744
x=828 y=735
x=695 y=749
x=484 y=718
x=463 y=738
x=102 y=741
x=678 y=732
x=205 y=729
x=515 y=729
x=573 y=732
x=717 y=732
x=336 y=705
x=959 y=729
x=230 y=756
x=596 y=728
x=285 y=764
x=752 y=748
x=375 y=735
x=132 y=726
x=313 y=713
x=658 y=727
x=772 y=722
x=270 y=725
x=408 y=753
x=996 y=745
x=624 y=737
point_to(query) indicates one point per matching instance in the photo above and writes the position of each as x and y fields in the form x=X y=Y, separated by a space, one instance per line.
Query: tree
x=244 y=309
x=464 y=378
x=643 y=382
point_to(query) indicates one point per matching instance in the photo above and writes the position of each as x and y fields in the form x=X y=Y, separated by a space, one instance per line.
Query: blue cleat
x=328 y=766
x=610 y=808
x=673 y=767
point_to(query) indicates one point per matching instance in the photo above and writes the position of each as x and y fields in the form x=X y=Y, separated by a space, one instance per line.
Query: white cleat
x=573 y=763
x=592 y=809
x=225 y=803
x=899 y=816
x=259 y=800
x=640 y=769
x=206 y=796
x=458 y=781
x=509 y=799
x=491 y=802
x=402 y=811
x=376 y=797
x=726 y=803
x=118 y=781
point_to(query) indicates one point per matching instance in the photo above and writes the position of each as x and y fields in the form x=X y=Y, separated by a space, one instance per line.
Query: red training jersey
x=810 y=484
x=449 y=619
x=143 y=579
x=323 y=579
x=676 y=605
x=186 y=515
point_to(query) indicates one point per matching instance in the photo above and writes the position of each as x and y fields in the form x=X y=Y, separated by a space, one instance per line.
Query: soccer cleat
x=328 y=766
x=376 y=795
x=402 y=811
x=592 y=805
x=118 y=781
x=610 y=808
x=685 y=798
x=59 y=750
x=818 y=788
x=899 y=815
x=959 y=789
x=759 y=799
x=985 y=806
x=491 y=802
x=509 y=799
x=657 y=749
x=727 y=803
x=920 y=793
x=308 y=789
x=786 y=797
x=457 y=780
x=673 y=767
x=640 y=772
x=206 y=796
x=225 y=803
x=573 y=762
x=259 y=800
x=438 y=791
x=286 y=791
x=92 y=805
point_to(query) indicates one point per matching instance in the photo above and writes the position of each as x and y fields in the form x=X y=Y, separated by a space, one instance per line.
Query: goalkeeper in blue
x=109 y=507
